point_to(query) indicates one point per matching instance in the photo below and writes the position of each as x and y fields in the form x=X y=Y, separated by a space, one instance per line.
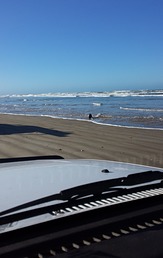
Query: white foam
x=122 y=93
x=142 y=109
x=97 y=104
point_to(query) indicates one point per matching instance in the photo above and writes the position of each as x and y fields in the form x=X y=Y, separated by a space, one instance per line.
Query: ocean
x=141 y=108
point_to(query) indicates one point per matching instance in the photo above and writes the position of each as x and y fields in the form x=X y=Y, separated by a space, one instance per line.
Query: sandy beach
x=22 y=136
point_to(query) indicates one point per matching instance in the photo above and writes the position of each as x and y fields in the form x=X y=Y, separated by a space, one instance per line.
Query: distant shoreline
x=85 y=120
x=73 y=139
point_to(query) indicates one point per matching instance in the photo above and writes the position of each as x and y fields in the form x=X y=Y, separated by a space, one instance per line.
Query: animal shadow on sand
x=7 y=129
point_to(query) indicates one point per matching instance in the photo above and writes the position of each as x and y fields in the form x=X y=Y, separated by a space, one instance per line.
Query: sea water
x=142 y=108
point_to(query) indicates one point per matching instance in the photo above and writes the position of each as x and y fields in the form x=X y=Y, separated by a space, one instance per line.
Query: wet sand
x=22 y=136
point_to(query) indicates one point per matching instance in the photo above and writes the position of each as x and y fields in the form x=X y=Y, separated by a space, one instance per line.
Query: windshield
x=82 y=80
x=81 y=128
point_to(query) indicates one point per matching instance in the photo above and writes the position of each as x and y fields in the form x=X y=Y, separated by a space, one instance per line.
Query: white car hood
x=25 y=181
x=22 y=182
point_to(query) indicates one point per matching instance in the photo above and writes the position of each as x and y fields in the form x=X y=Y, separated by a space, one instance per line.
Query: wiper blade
x=94 y=188
x=112 y=184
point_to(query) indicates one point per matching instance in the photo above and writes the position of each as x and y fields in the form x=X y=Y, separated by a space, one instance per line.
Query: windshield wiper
x=95 y=188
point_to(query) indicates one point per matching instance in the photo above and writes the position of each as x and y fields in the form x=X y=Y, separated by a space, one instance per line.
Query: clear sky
x=80 y=45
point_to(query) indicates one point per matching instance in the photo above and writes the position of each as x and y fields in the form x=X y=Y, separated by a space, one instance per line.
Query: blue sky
x=80 y=45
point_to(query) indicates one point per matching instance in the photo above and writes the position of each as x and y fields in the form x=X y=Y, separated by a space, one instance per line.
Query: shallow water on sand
x=121 y=108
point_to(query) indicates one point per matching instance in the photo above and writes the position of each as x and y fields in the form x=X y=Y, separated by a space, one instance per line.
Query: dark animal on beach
x=90 y=116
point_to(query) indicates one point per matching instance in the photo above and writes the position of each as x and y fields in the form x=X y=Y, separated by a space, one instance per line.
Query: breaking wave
x=122 y=93
x=143 y=109
x=97 y=104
